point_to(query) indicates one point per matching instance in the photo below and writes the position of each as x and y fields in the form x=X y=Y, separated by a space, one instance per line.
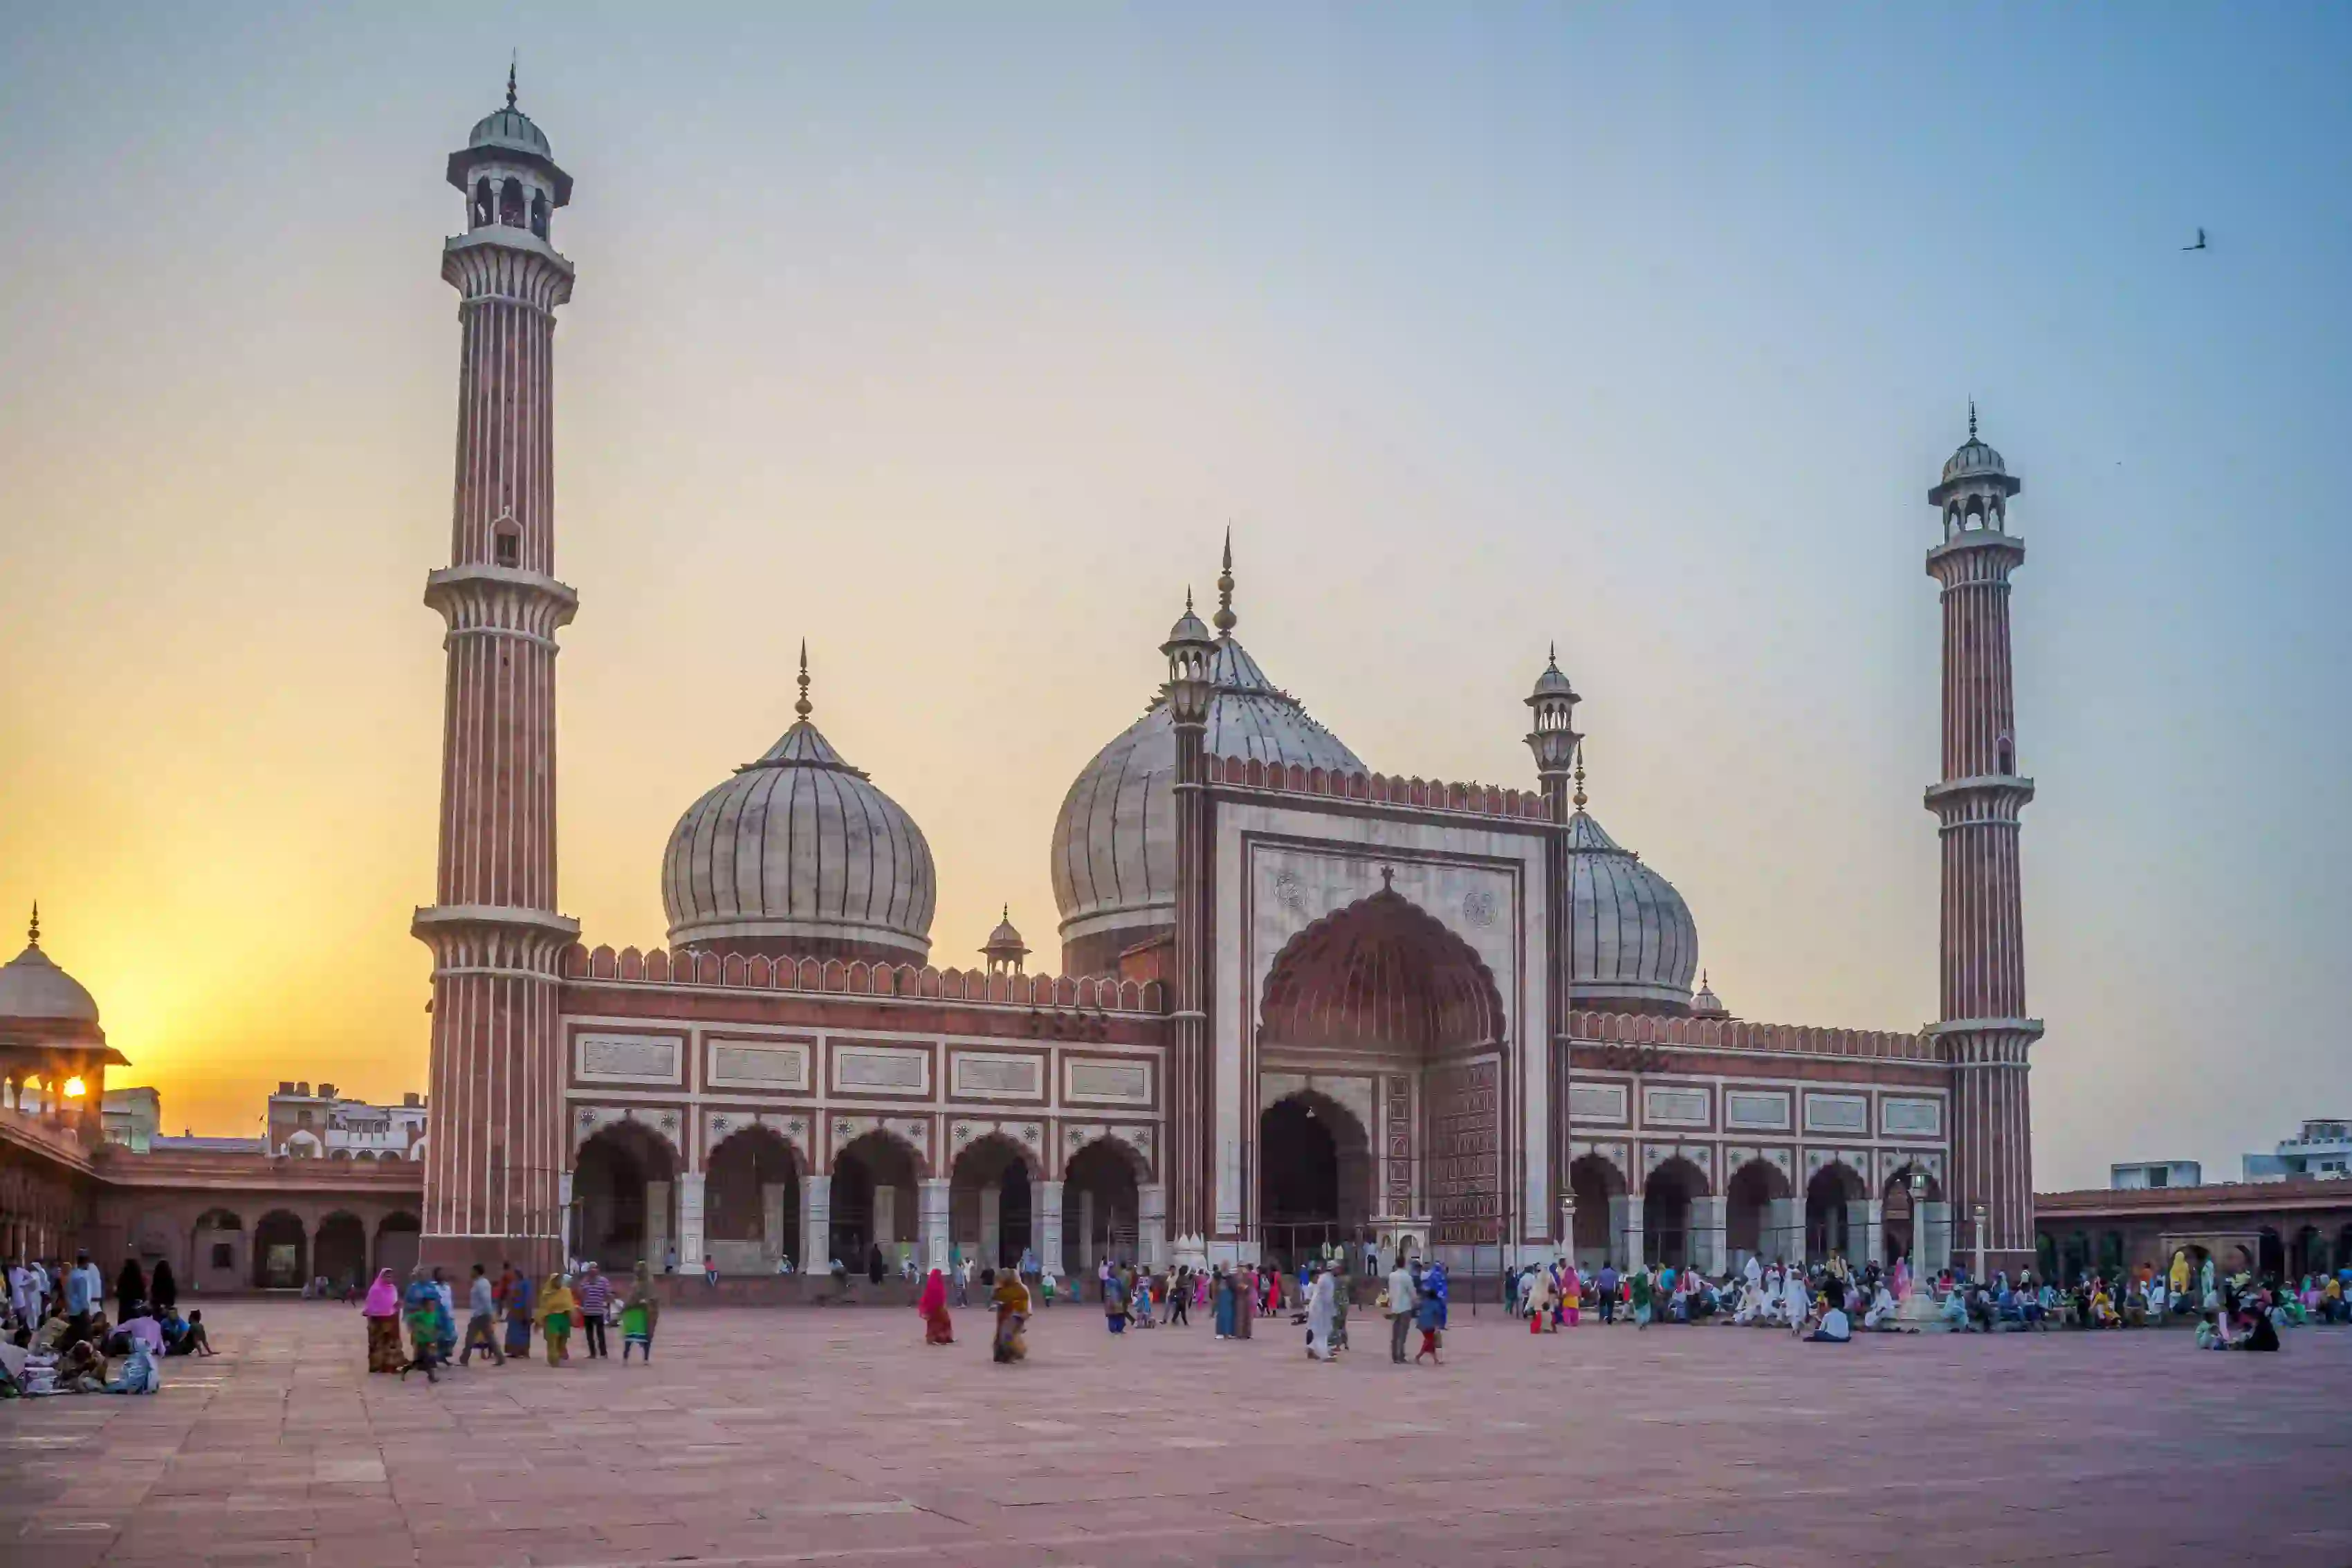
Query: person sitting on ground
x=2209 y=1332
x=1835 y=1327
x=1881 y=1312
x=197 y=1341
x=81 y=1369
x=2262 y=1334
x=1955 y=1311
x=145 y=1331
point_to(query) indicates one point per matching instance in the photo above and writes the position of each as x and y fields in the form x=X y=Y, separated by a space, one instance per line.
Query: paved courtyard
x=834 y=1435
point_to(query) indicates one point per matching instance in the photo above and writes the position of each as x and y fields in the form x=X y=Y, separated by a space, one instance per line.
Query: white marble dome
x=33 y=989
x=1114 y=859
x=1636 y=946
x=799 y=853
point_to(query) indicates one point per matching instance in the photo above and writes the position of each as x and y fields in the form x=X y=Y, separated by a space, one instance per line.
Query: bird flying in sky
x=2200 y=242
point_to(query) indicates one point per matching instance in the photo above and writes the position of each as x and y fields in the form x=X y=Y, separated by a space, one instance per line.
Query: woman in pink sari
x=381 y=1309
x=938 y=1328
x=1571 y=1294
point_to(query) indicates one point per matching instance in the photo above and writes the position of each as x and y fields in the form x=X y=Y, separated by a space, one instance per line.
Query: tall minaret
x=1984 y=1029
x=1555 y=742
x=1188 y=1171
x=494 y=1154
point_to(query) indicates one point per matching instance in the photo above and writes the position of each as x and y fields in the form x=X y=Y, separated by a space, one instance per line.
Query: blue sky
x=953 y=337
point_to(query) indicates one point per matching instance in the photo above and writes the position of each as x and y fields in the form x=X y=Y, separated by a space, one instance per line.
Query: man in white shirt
x=1402 y=1299
x=1834 y=1328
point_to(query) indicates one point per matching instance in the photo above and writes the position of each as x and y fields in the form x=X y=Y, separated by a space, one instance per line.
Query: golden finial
x=1579 y=775
x=33 y=933
x=1225 y=618
x=801 y=707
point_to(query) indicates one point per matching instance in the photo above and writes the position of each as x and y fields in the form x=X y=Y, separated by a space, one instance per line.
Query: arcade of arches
x=1678 y=1220
x=1378 y=1011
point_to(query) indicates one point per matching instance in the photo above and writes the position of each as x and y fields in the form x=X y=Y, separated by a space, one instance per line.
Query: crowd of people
x=57 y=1338
x=426 y=1307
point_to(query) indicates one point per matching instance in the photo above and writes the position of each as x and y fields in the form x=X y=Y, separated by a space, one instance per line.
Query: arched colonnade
x=756 y=1201
x=1678 y=1216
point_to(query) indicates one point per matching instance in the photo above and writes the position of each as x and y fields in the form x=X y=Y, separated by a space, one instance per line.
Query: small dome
x=1973 y=460
x=1635 y=946
x=33 y=989
x=1552 y=682
x=798 y=854
x=1188 y=627
x=511 y=127
x=1004 y=935
x=1706 y=1004
x=1113 y=857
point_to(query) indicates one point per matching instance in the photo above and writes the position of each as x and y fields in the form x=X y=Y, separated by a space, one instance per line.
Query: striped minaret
x=495 y=1142
x=1984 y=1029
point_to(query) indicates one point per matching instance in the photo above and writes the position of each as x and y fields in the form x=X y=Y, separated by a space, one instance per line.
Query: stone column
x=885 y=1225
x=1784 y=1231
x=1868 y=1216
x=1706 y=1234
x=1048 y=1195
x=1151 y=1224
x=1087 y=1230
x=657 y=1227
x=1625 y=1227
x=1933 y=1245
x=934 y=1202
x=992 y=1225
x=689 y=1220
x=774 y=1242
x=816 y=1224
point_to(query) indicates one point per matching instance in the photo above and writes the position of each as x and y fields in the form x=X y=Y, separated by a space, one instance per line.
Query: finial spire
x=1579 y=775
x=801 y=707
x=511 y=62
x=1972 y=419
x=1225 y=619
x=33 y=932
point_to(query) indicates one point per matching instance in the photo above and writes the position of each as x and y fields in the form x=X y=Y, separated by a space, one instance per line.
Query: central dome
x=799 y=855
x=1115 y=842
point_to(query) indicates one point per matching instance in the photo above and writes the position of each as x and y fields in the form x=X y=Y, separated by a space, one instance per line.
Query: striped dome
x=1634 y=943
x=1114 y=864
x=799 y=853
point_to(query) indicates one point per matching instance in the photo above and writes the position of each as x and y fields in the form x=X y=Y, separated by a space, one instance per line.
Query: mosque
x=1303 y=1002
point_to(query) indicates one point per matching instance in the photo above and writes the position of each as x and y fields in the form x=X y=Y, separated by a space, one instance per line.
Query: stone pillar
x=1784 y=1231
x=992 y=1225
x=774 y=1242
x=816 y=1224
x=1568 y=1225
x=1151 y=1224
x=1087 y=1230
x=1625 y=1227
x=657 y=1227
x=1706 y=1234
x=933 y=1199
x=1933 y=1245
x=1048 y=1195
x=1868 y=1216
x=885 y=1225
x=689 y=1220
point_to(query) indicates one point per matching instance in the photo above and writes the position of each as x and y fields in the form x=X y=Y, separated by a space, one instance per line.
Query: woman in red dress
x=933 y=1305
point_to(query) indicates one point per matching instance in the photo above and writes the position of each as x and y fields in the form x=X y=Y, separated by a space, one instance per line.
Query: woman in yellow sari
x=556 y=1311
x=1012 y=1299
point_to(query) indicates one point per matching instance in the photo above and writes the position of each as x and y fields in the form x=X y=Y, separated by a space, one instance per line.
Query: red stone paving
x=768 y=1436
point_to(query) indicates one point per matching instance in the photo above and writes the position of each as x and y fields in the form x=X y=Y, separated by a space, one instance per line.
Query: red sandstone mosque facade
x=1306 y=1002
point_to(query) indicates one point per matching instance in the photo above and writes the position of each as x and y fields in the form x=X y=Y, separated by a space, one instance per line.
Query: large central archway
x=1415 y=1020
x=622 y=1181
x=752 y=1201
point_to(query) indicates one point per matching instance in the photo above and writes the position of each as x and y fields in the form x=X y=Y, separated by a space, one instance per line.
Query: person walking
x=1180 y=1296
x=382 y=1312
x=482 y=1332
x=639 y=1313
x=83 y=1294
x=1320 y=1307
x=1429 y=1312
x=595 y=1298
x=1114 y=1301
x=1402 y=1303
x=1604 y=1287
x=519 y=1317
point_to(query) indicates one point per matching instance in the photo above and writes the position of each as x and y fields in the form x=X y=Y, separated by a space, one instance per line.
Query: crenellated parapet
x=1739 y=1034
x=686 y=967
x=1377 y=788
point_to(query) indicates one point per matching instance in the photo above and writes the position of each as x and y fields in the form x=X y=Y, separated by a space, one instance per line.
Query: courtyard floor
x=766 y=1436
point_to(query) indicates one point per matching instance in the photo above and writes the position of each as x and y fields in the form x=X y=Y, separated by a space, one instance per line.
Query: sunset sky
x=951 y=338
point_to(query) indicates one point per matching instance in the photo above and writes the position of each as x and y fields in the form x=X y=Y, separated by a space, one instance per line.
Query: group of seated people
x=65 y=1355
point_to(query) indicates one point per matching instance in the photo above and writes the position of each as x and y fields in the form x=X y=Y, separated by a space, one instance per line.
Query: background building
x=2323 y=1148
x=2154 y=1173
